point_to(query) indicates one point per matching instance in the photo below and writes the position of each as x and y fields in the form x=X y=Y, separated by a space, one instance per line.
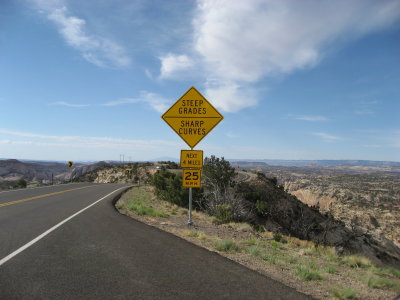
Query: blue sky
x=89 y=80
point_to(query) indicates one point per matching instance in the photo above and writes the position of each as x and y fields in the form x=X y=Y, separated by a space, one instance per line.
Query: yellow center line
x=43 y=196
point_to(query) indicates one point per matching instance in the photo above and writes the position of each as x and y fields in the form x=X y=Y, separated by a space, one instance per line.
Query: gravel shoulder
x=313 y=270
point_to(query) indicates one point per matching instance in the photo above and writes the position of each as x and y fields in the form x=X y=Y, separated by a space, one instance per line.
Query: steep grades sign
x=192 y=117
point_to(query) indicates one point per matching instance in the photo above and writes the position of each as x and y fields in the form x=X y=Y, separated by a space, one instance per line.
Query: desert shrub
x=330 y=269
x=168 y=186
x=251 y=242
x=258 y=228
x=262 y=208
x=219 y=173
x=279 y=237
x=387 y=272
x=192 y=234
x=262 y=177
x=143 y=210
x=379 y=282
x=169 y=164
x=255 y=251
x=227 y=246
x=220 y=192
x=306 y=274
x=356 y=261
x=345 y=293
x=20 y=184
x=223 y=213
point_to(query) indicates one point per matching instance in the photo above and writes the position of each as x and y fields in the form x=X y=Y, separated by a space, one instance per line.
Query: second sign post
x=191 y=163
x=192 y=117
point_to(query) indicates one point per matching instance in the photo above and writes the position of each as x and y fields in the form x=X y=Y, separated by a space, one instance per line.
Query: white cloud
x=242 y=42
x=381 y=138
x=173 y=65
x=311 y=118
x=80 y=141
x=148 y=74
x=366 y=107
x=157 y=102
x=231 y=97
x=63 y=103
x=327 y=137
x=231 y=135
x=394 y=138
x=372 y=146
x=97 y=50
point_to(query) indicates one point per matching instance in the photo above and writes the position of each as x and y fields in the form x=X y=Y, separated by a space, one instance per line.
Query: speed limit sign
x=191 y=178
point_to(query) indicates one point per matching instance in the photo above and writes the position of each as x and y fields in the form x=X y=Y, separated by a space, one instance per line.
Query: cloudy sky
x=308 y=79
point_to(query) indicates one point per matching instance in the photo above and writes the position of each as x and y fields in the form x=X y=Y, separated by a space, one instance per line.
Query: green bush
x=223 y=213
x=330 y=269
x=306 y=274
x=227 y=246
x=143 y=210
x=192 y=234
x=279 y=237
x=346 y=293
x=251 y=242
x=219 y=173
x=258 y=228
x=275 y=245
x=168 y=186
x=271 y=258
x=387 y=272
x=255 y=251
x=141 y=202
x=356 y=261
x=379 y=282
x=262 y=208
x=21 y=184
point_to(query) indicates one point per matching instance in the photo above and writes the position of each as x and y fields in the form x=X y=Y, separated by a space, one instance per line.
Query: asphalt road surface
x=69 y=242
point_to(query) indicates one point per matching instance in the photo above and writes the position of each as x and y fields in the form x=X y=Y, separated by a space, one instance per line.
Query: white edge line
x=38 y=238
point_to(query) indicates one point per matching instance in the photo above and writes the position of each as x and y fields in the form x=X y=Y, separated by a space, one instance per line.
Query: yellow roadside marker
x=43 y=196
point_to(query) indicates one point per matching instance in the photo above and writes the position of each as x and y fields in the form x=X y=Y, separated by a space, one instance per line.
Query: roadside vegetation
x=230 y=219
x=20 y=184
x=140 y=201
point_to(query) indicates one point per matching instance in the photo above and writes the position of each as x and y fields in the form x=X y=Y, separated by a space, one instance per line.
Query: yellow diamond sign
x=192 y=117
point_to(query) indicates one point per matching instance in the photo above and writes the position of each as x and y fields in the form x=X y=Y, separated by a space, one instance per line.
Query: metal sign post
x=190 y=222
x=192 y=117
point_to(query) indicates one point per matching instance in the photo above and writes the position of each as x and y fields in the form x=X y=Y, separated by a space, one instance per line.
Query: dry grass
x=315 y=270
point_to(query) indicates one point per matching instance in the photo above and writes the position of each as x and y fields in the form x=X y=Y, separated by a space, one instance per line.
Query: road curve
x=102 y=254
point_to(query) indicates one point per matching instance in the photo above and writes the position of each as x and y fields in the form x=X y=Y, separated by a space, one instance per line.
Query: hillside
x=121 y=173
x=365 y=198
x=285 y=213
x=12 y=170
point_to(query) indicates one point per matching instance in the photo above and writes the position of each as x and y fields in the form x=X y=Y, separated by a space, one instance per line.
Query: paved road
x=102 y=254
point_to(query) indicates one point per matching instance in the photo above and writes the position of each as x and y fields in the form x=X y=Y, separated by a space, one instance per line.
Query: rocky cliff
x=123 y=173
x=283 y=212
x=368 y=204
